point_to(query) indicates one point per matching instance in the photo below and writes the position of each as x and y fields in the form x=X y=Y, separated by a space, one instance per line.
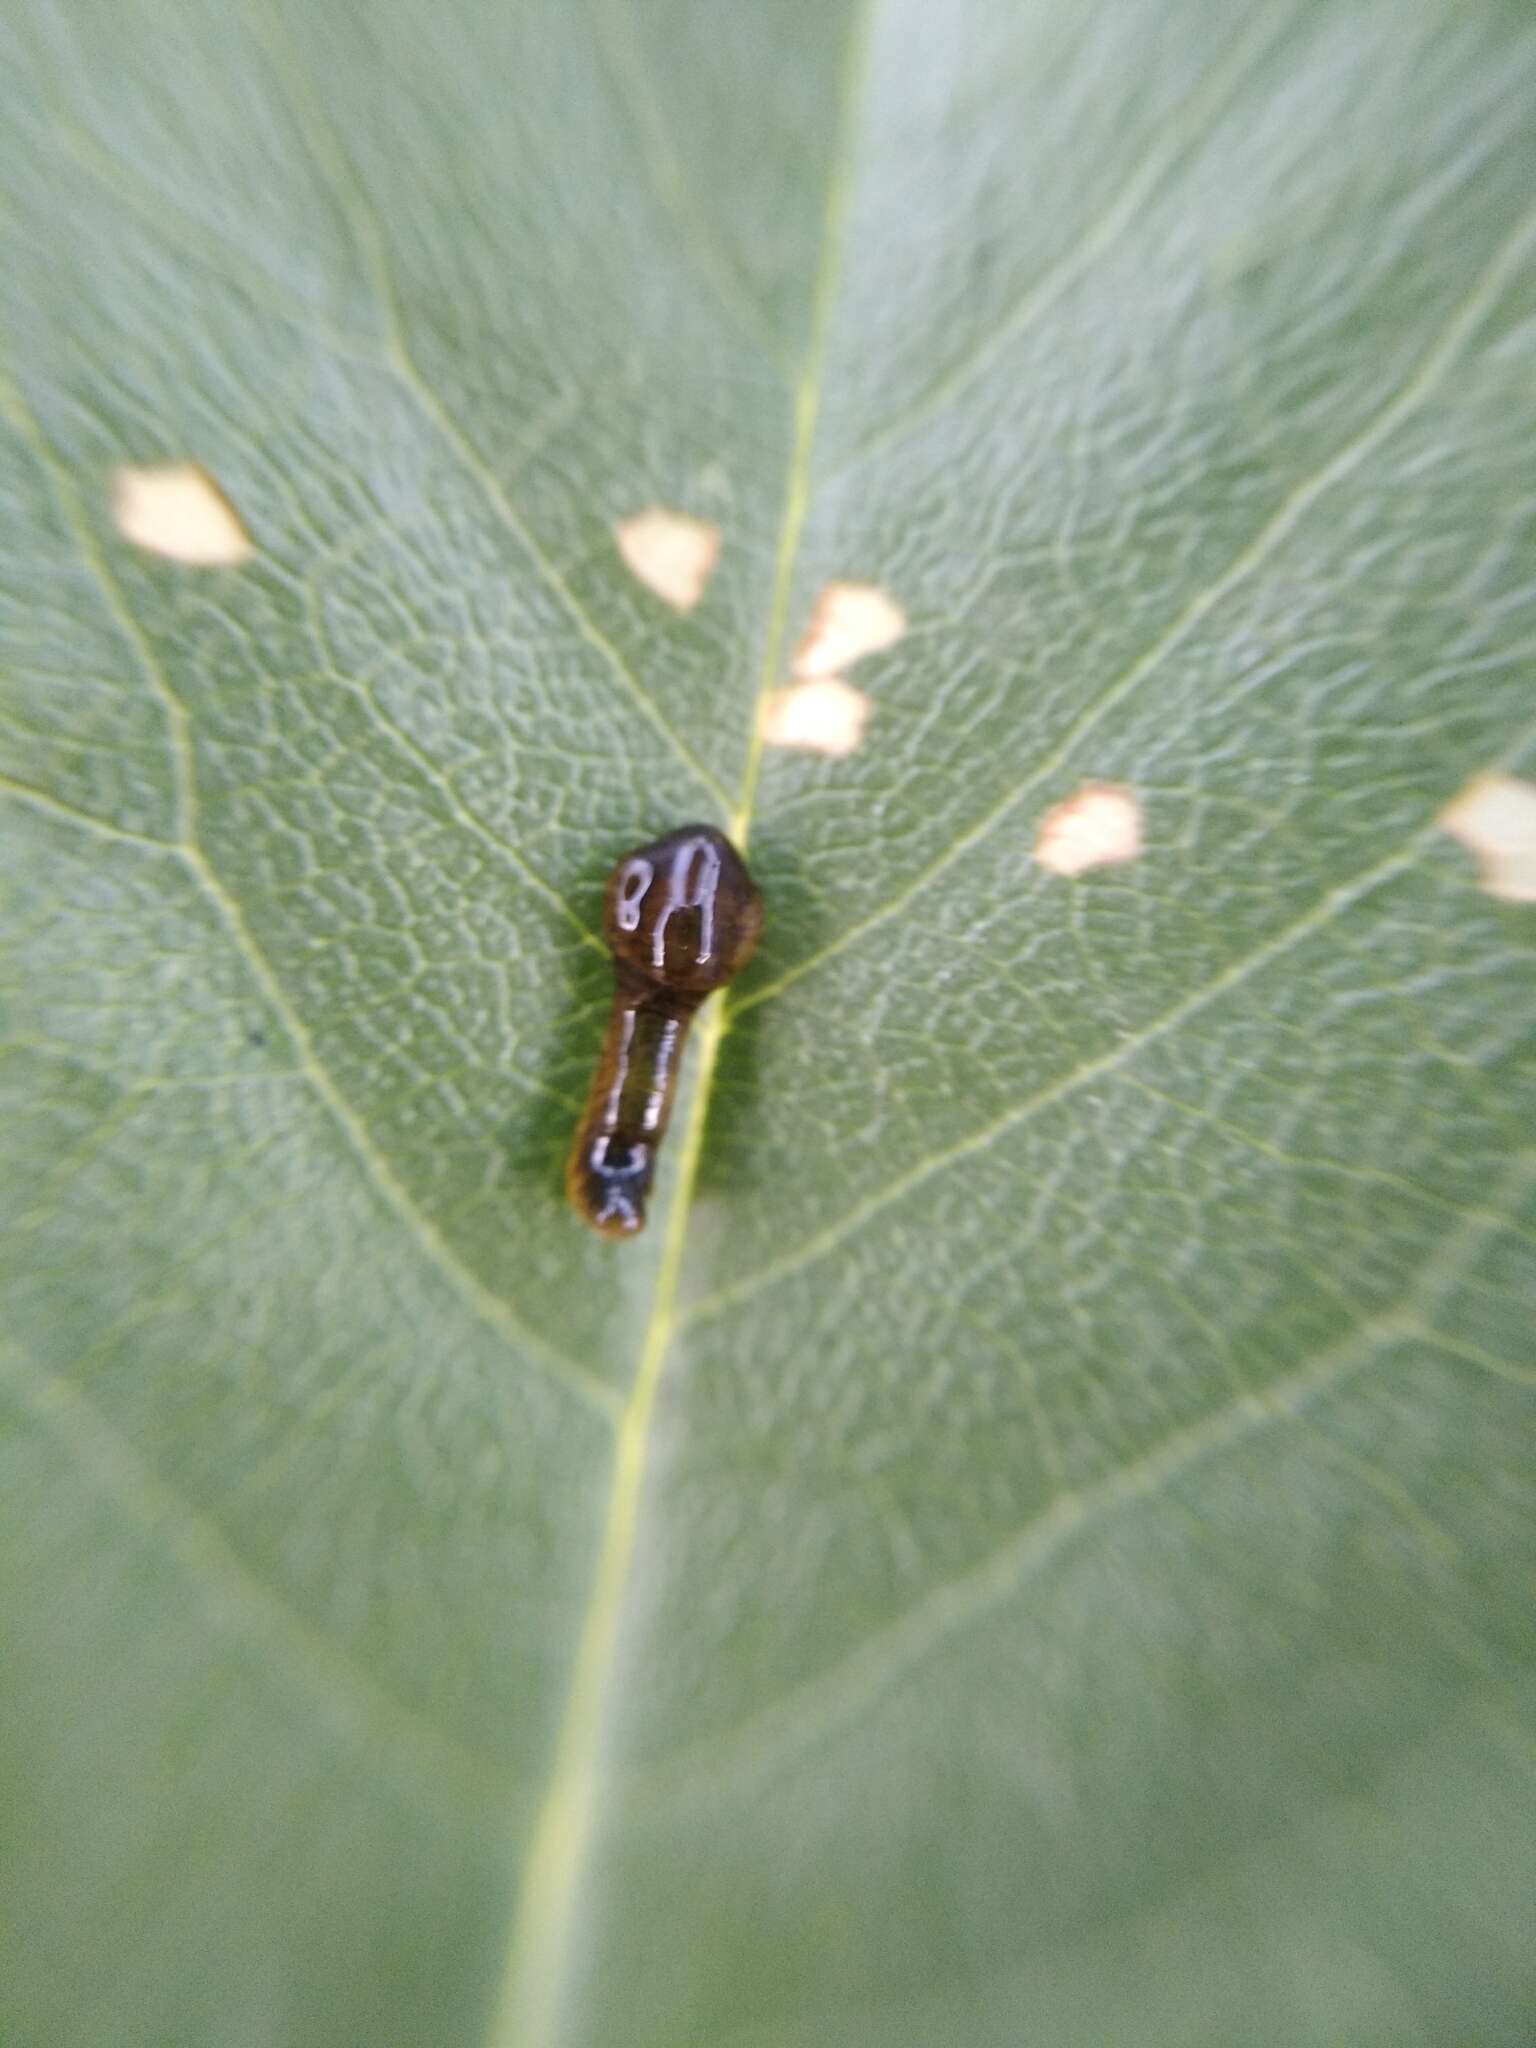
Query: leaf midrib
x=528 y=2006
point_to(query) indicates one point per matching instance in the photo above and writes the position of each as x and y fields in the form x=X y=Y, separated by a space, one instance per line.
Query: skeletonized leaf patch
x=1096 y=826
x=824 y=716
x=177 y=509
x=671 y=553
x=1494 y=817
x=849 y=621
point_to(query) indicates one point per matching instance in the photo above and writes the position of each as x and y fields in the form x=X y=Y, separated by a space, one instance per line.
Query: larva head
x=683 y=912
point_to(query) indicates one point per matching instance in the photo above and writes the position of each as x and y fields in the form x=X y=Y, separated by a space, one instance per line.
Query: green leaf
x=1035 y=1544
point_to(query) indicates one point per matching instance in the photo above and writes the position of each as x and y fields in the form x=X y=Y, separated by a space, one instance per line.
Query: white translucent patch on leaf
x=824 y=716
x=670 y=553
x=177 y=509
x=1494 y=817
x=1099 y=824
x=849 y=621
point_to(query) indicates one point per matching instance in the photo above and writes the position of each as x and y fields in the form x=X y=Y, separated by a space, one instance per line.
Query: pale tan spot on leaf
x=1494 y=817
x=824 y=716
x=849 y=621
x=177 y=509
x=671 y=554
x=1097 y=825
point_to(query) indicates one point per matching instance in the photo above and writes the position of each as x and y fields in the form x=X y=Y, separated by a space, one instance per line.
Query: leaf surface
x=1035 y=1543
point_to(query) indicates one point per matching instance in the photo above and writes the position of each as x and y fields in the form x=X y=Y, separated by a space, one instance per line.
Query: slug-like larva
x=680 y=917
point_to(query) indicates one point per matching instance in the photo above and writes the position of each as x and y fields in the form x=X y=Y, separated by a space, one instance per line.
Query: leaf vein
x=1350 y=1170
x=528 y=2006
x=1169 y=149
x=326 y=147
x=491 y=1308
x=836 y=1694
x=363 y=693
x=55 y=806
x=308 y=1659
x=1329 y=905
x=1420 y=385
x=664 y=173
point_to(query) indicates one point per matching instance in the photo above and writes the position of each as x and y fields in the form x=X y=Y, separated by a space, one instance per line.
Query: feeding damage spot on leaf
x=850 y=620
x=821 y=710
x=1494 y=817
x=177 y=509
x=826 y=716
x=1099 y=824
x=671 y=554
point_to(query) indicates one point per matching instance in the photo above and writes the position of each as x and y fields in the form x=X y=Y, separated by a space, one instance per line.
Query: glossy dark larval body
x=681 y=916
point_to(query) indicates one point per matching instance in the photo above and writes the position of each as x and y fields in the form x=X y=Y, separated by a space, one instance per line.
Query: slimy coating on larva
x=681 y=917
